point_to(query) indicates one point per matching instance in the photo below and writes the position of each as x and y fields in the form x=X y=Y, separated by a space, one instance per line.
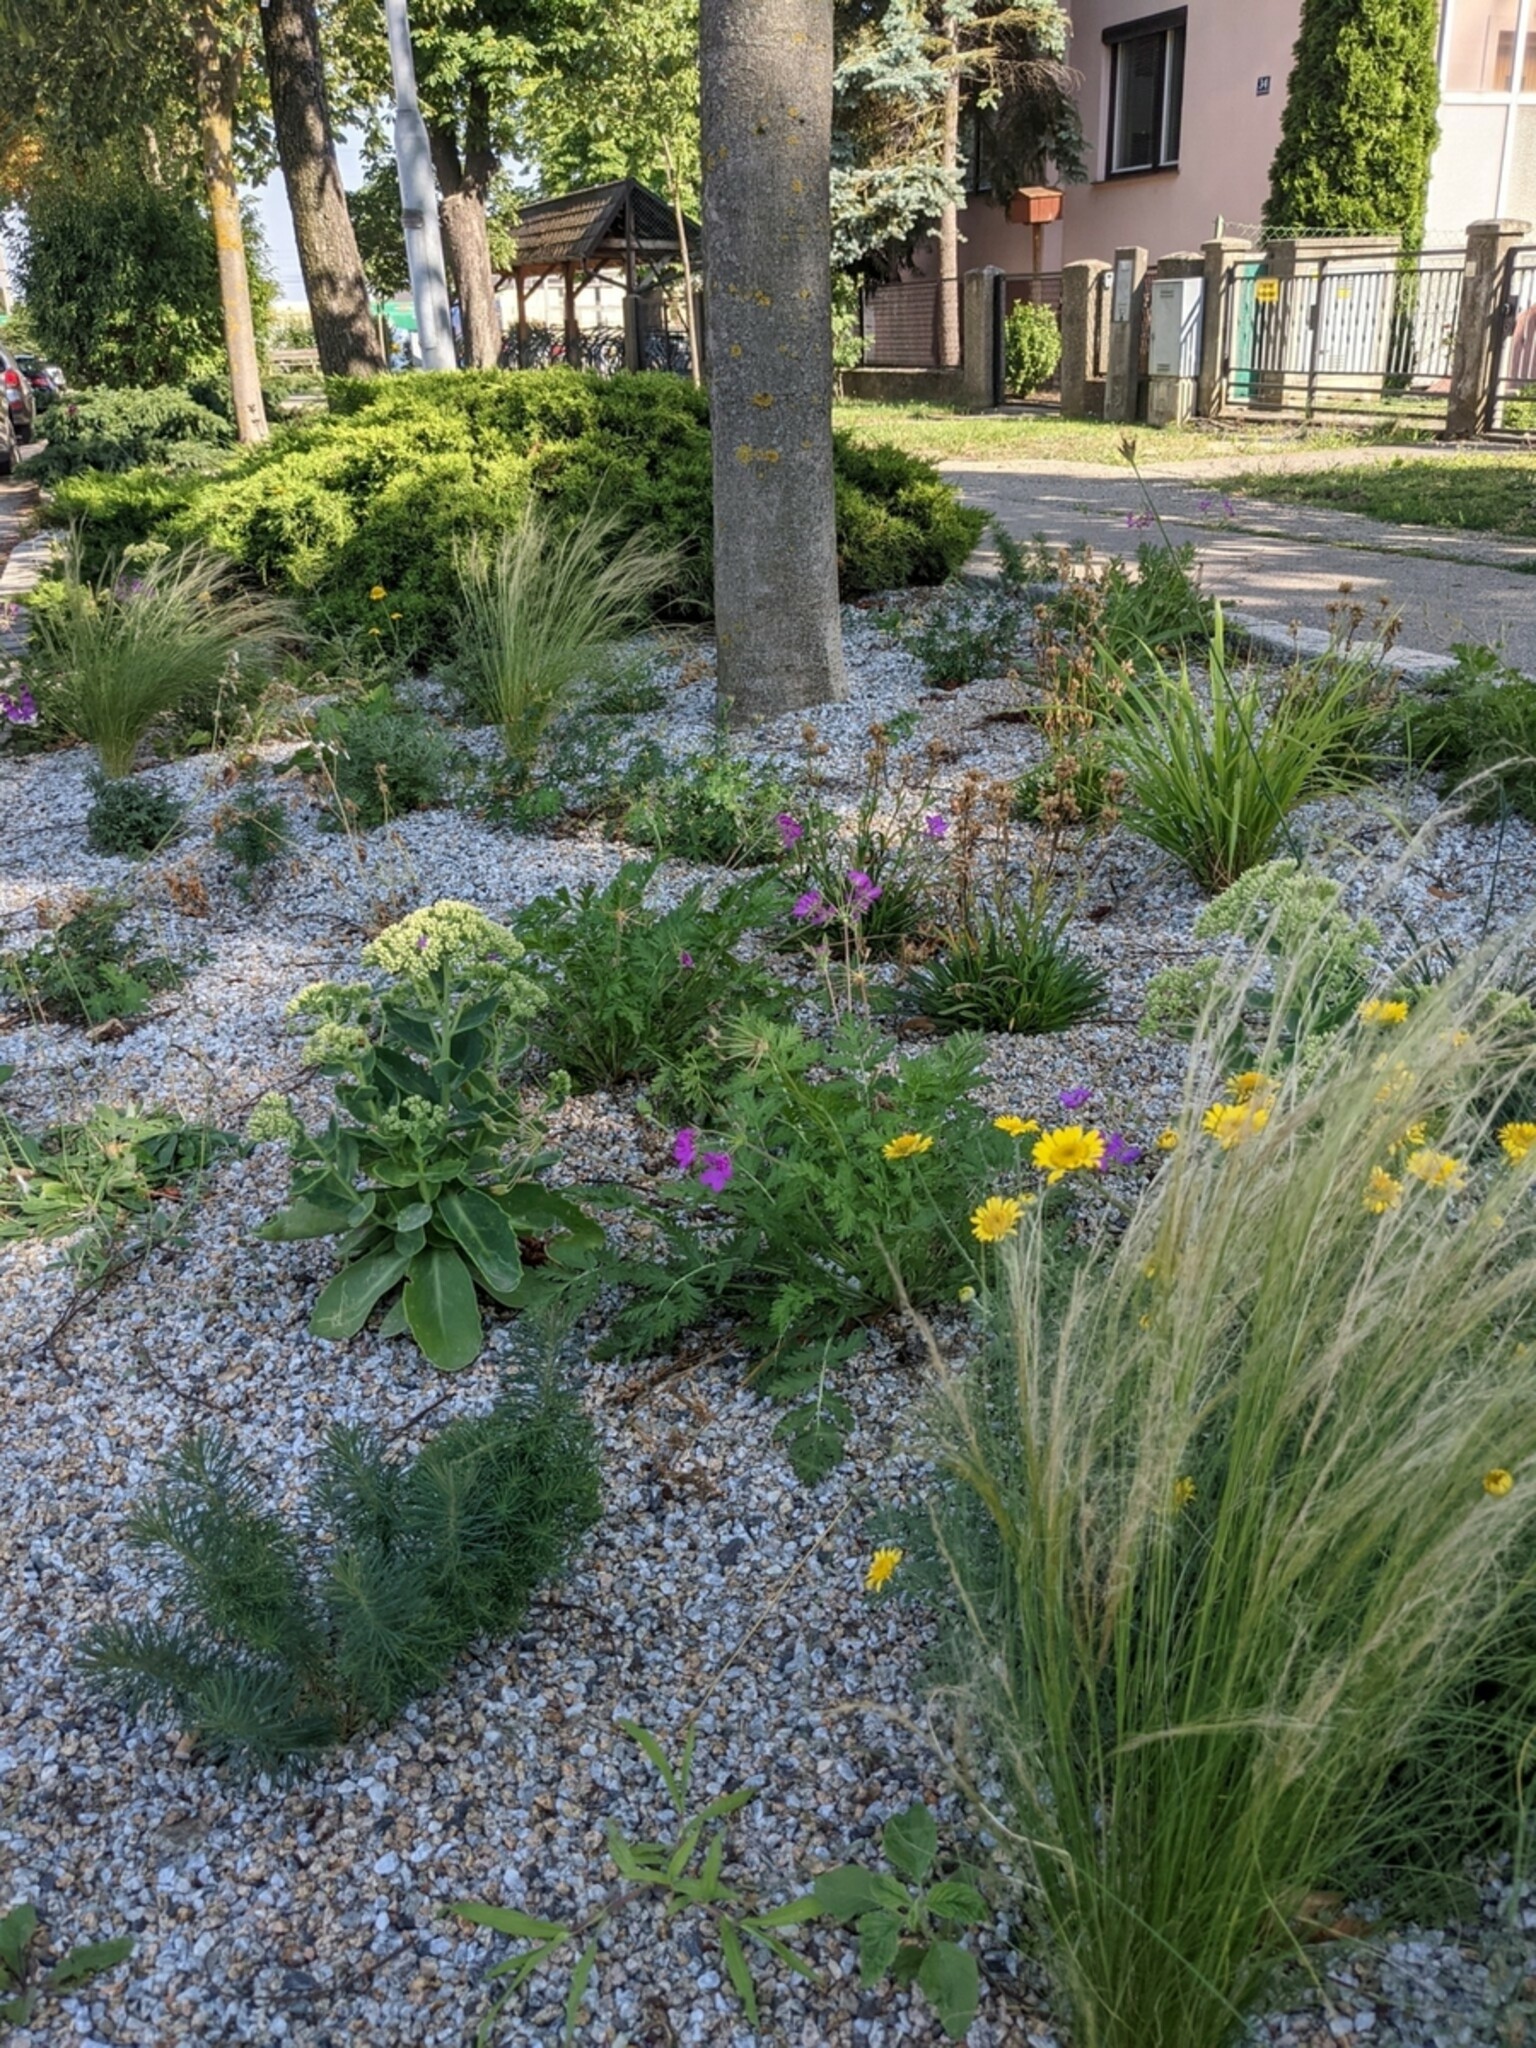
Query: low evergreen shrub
x=112 y=431
x=270 y=1655
x=400 y=472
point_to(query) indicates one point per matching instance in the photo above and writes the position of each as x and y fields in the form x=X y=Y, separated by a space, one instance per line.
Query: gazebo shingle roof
x=577 y=226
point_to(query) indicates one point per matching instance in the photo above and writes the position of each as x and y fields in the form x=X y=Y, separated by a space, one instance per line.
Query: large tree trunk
x=216 y=67
x=463 y=178
x=345 y=333
x=947 y=336
x=766 y=76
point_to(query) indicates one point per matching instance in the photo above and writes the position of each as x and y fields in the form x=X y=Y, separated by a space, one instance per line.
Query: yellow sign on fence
x=1266 y=290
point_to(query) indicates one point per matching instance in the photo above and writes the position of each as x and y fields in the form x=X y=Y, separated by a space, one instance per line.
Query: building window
x=1146 y=92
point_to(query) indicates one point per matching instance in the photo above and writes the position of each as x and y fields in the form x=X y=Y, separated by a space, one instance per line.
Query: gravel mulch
x=715 y=1584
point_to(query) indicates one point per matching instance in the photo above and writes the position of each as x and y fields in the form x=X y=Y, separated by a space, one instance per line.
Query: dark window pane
x=1137 y=65
x=1173 y=96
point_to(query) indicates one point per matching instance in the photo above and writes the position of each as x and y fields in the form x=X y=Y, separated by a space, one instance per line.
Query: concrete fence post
x=1082 y=299
x=1474 y=406
x=1221 y=256
x=981 y=340
x=1122 y=386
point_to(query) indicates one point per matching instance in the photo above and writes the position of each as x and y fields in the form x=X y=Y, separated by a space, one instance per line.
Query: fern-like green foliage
x=269 y=1658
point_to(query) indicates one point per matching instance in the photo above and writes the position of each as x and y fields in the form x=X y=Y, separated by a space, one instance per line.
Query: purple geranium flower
x=685 y=958
x=683 y=1148
x=1075 y=1098
x=18 y=710
x=864 y=891
x=790 y=829
x=935 y=826
x=716 y=1171
x=813 y=906
x=1118 y=1151
x=1136 y=520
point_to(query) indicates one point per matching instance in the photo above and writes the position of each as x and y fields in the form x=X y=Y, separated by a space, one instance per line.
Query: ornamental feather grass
x=1244 y=1599
x=110 y=657
x=546 y=608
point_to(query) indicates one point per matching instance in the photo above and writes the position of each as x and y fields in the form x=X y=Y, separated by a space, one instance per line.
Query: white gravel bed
x=313 y=1914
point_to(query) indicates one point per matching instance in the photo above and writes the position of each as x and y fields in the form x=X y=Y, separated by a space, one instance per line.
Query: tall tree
x=334 y=285
x=219 y=41
x=765 y=133
x=1359 y=126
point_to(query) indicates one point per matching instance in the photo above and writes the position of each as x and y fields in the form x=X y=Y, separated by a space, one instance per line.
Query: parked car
x=10 y=447
x=46 y=380
x=20 y=402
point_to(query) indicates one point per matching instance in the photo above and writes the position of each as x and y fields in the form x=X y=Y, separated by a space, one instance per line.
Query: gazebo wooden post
x=632 y=352
x=522 y=319
x=572 y=331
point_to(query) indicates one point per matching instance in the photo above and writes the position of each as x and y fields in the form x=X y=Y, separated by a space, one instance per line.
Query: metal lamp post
x=418 y=201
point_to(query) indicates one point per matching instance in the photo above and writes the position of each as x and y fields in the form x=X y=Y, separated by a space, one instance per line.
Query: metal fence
x=594 y=348
x=1351 y=333
x=1513 y=396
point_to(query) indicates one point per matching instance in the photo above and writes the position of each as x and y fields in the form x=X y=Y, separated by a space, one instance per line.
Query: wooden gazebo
x=623 y=230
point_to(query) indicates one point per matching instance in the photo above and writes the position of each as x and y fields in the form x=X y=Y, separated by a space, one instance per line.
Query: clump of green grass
x=1243 y=1522
x=110 y=657
x=544 y=609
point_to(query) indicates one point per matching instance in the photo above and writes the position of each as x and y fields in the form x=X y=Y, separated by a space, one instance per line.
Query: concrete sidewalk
x=1281 y=563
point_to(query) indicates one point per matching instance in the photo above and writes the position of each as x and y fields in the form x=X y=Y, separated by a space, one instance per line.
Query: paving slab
x=1289 y=565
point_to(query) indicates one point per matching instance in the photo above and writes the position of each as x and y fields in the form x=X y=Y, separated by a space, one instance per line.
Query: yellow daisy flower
x=1517 y=1140
x=1498 y=1482
x=882 y=1566
x=1377 y=1010
x=1167 y=1141
x=1437 y=1170
x=1229 y=1123
x=1068 y=1150
x=1015 y=1126
x=997 y=1218
x=378 y=593
x=1184 y=1491
x=1243 y=1087
x=1382 y=1191
x=906 y=1145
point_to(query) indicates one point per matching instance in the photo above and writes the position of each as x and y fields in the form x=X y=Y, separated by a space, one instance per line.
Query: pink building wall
x=1229 y=133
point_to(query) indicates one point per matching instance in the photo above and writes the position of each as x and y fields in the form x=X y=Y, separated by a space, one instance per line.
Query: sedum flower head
x=1516 y=1141
x=997 y=1218
x=457 y=940
x=1070 y=1149
x=273 y=1119
x=334 y=1044
x=907 y=1145
x=415 y=1121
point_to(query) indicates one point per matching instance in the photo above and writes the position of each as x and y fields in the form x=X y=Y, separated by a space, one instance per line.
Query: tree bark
x=766 y=76
x=463 y=178
x=947 y=337
x=345 y=333
x=216 y=67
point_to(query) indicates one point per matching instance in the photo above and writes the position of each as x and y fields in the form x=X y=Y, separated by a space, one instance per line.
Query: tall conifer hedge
x=1360 y=120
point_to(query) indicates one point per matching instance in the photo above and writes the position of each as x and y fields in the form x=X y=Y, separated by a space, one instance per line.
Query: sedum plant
x=545 y=609
x=267 y=1660
x=1242 y=1526
x=107 y=658
x=428 y=1170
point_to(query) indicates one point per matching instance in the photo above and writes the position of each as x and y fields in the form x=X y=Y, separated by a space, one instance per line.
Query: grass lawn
x=1488 y=493
x=945 y=433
